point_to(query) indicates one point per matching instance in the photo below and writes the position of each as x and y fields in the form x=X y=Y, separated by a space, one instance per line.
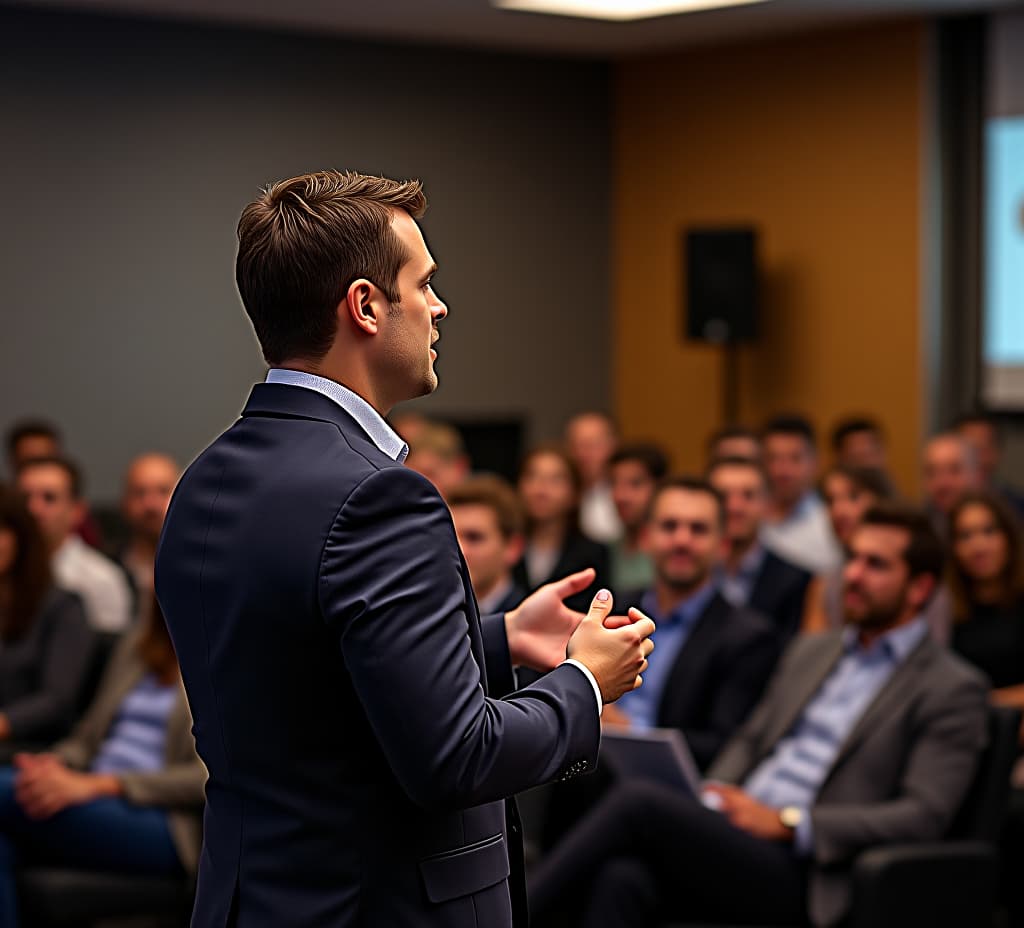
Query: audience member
x=859 y=441
x=867 y=736
x=796 y=527
x=31 y=439
x=751 y=575
x=438 y=453
x=550 y=487
x=634 y=472
x=849 y=492
x=148 y=485
x=591 y=438
x=123 y=793
x=45 y=642
x=734 y=441
x=489 y=524
x=711 y=659
x=52 y=489
x=982 y=433
x=950 y=470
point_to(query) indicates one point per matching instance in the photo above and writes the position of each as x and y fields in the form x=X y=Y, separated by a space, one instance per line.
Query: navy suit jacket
x=343 y=687
x=779 y=592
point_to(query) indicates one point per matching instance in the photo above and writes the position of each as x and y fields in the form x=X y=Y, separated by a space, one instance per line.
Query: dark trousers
x=645 y=852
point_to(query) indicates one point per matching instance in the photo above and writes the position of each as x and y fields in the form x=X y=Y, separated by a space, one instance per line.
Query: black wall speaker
x=721 y=284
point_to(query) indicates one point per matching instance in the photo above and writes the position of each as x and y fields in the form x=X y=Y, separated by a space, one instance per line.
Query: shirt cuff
x=586 y=672
x=803 y=835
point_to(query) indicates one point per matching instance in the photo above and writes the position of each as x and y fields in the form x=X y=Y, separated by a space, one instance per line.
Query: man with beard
x=713 y=659
x=866 y=736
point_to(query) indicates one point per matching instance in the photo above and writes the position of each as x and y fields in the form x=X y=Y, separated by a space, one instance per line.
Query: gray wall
x=127 y=151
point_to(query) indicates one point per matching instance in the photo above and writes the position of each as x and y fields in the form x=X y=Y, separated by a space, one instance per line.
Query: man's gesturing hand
x=615 y=656
x=539 y=628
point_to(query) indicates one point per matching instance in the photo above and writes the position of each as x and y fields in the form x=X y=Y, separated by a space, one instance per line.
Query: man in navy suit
x=355 y=714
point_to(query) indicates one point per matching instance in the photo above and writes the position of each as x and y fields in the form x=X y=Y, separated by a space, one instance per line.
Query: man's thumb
x=600 y=606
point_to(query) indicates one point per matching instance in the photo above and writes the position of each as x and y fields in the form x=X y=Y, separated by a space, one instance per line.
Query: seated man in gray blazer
x=866 y=736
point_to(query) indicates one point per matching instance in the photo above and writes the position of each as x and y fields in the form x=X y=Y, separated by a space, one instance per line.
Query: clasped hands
x=44 y=785
x=543 y=631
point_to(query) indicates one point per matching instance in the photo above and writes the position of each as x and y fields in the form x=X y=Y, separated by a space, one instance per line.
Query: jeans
x=106 y=834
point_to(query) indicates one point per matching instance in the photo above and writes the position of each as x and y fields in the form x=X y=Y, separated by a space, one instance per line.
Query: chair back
x=981 y=815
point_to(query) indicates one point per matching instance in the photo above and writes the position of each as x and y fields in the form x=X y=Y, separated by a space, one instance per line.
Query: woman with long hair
x=550 y=487
x=124 y=792
x=46 y=645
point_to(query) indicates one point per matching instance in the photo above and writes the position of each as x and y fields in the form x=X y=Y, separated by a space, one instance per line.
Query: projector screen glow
x=1004 y=263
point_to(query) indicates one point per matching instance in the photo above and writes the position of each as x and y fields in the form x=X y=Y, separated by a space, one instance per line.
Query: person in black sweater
x=46 y=645
x=987 y=583
x=550 y=487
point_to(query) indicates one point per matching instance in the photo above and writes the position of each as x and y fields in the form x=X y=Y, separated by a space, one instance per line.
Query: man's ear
x=363 y=305
x=921 y=589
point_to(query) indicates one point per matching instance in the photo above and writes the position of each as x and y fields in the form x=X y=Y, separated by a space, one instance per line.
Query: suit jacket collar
x=284 y=401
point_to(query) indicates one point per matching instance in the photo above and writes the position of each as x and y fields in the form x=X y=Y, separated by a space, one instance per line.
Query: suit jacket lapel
x=897 y=690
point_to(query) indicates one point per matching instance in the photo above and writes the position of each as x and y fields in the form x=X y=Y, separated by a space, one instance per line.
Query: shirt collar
x=686 y=612
x=751 y=562
x=897 y=643
x=382 y=435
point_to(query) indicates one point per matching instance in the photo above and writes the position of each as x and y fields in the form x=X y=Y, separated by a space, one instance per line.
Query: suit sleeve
x=938 y=772
x=500 y=677
x=747 y=667
x=392 y=588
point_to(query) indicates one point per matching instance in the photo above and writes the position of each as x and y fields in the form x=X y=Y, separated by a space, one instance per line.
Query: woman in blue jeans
x=124 y=793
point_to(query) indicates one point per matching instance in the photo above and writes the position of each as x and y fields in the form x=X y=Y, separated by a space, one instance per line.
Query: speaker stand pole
x=730 y=383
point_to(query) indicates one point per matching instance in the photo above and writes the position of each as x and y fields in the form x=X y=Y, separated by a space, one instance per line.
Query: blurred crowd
x=735 y=564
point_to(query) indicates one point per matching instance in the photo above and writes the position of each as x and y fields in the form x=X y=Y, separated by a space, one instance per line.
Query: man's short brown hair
x=924 y=553
x=494 y=493
x=304 y=241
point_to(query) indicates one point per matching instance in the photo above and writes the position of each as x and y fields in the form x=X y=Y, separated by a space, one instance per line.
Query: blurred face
x=746 y=500
x=591 y=443
x=632 y=488
x=738 y=446
x=949 y=472
x=409 y=327
x=979 y=545
x=684 y=539
x=791 y=464
x=442 y=471
x=546 y=488
x=846 y=504
x=877 y=589
x=148 y=486
x=8 y=550
x=983 y=439
x=863 y=449
x=33 y=447
x=47 y=492
x=489 y=554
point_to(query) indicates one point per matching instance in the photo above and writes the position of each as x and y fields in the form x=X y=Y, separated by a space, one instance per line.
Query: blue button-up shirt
x=670 y=635
x=797 y=768
x=738 y=587
x=382 y=435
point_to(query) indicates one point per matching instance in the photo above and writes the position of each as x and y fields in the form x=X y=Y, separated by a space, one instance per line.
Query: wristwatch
x=791 y=816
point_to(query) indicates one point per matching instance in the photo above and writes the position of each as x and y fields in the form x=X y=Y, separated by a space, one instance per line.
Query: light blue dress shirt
x=382 y=435
x=670 y=635
x=797 y=768
x=737 y=587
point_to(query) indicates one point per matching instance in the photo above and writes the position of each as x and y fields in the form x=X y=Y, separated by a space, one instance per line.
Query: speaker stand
x=730 y=383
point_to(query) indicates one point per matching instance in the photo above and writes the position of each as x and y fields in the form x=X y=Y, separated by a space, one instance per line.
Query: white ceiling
x=476 y=23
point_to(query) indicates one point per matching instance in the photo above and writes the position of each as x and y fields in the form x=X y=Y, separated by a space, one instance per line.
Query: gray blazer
x=900 y=776
x=179 y=785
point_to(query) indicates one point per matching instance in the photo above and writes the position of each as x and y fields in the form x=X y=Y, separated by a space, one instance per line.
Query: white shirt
x=599 y=519
x=98 y=580
x=384 y=437
x=805 y=538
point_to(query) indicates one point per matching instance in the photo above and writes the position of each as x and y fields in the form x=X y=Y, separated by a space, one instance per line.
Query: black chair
x=949 y=883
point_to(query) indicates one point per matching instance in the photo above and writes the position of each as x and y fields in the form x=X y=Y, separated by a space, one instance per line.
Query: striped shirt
x=138 y=735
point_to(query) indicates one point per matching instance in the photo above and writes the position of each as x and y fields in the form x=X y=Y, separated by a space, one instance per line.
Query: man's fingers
x=574 y=583
x=600 y=606
x=617 y=621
